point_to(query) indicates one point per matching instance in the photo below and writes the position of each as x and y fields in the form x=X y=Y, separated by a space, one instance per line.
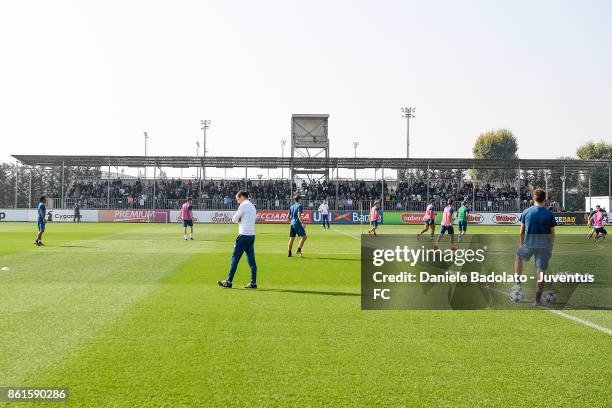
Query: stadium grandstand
x=90 y=182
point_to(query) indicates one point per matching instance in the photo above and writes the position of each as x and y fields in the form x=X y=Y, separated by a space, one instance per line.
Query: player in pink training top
x=187 y=217
x=447 y=223
x=598 y=222
x=374 y=218
x=429 y=219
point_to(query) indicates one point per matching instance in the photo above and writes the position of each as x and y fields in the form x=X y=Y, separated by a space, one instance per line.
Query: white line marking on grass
x=582 y=321
x=358 y=238
x=567 y=316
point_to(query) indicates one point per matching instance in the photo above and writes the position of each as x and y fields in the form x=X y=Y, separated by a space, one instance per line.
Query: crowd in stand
x=396 y=194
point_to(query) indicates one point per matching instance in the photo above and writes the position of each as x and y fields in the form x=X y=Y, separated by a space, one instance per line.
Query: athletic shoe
x=225 y=284
x=250 y=286
x=191 y=238
x=289 y=255
x=418 y=237
x=299 y=253
x=538 y=304
x=185 y=238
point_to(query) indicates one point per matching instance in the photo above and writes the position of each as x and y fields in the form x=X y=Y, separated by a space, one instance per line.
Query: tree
x=496 y=144
x=599 y=177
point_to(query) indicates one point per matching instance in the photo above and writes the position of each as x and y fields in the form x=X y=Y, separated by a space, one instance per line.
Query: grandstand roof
x=305 y=162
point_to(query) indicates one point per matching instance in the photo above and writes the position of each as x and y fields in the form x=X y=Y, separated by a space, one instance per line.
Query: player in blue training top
x=537 y=240
x=42 y=211
x=296 y=225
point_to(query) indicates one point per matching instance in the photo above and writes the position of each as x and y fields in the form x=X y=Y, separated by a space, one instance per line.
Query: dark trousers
x=244 y=243
x=325 y=220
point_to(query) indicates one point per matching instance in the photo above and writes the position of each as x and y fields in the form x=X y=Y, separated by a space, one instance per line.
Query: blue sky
x=89 y=77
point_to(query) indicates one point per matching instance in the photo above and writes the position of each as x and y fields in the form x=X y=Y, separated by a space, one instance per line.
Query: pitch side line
x=582 y=321
x=568 y=316
x=358 y=238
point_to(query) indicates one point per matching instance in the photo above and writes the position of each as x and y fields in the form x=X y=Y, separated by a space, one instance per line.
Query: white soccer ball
x=516 y=294
x=5 y=269
x=549 y=296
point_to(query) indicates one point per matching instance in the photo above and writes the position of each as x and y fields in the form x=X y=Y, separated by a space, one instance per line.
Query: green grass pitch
x=130 y=315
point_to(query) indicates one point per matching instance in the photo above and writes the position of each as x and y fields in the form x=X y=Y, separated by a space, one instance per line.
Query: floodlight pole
x=408 y=113
x=205 y=124
x=283 y=143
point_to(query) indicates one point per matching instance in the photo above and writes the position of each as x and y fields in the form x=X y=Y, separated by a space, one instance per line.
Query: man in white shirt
x=324 y=211
x=245 y=242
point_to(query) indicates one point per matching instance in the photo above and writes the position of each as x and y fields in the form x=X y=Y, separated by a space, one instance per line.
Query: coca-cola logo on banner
x=505 y=218
x=412 y=218
x=475 y=218
x=179 y=218
x=221 y=218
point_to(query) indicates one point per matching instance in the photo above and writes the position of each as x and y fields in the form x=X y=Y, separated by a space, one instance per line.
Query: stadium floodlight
x=408 y=113
x=283 y=143
x=204 y=125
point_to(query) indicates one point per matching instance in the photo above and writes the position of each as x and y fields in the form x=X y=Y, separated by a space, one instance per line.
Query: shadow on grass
x=310 y=292
x=74 y=246
x=337 y=259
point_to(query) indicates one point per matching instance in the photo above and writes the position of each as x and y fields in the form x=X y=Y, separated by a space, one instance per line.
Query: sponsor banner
x=280 y=217
x=475 y=218
x=52 y=215
x=350 y=217
x=502 y=218
x=408 y=218
x=14 y=215
x=58 y=215
x=416 y=218
x=133 y=215
x=572 y=218
x=205 y=217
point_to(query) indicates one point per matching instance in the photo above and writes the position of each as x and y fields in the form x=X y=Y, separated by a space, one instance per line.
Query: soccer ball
x=516 y=294
x=549 y=296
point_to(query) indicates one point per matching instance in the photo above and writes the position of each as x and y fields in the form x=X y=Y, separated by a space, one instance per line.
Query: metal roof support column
x=427 y=178
x=108 y=185
x=16 y=180
x=63 y=198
